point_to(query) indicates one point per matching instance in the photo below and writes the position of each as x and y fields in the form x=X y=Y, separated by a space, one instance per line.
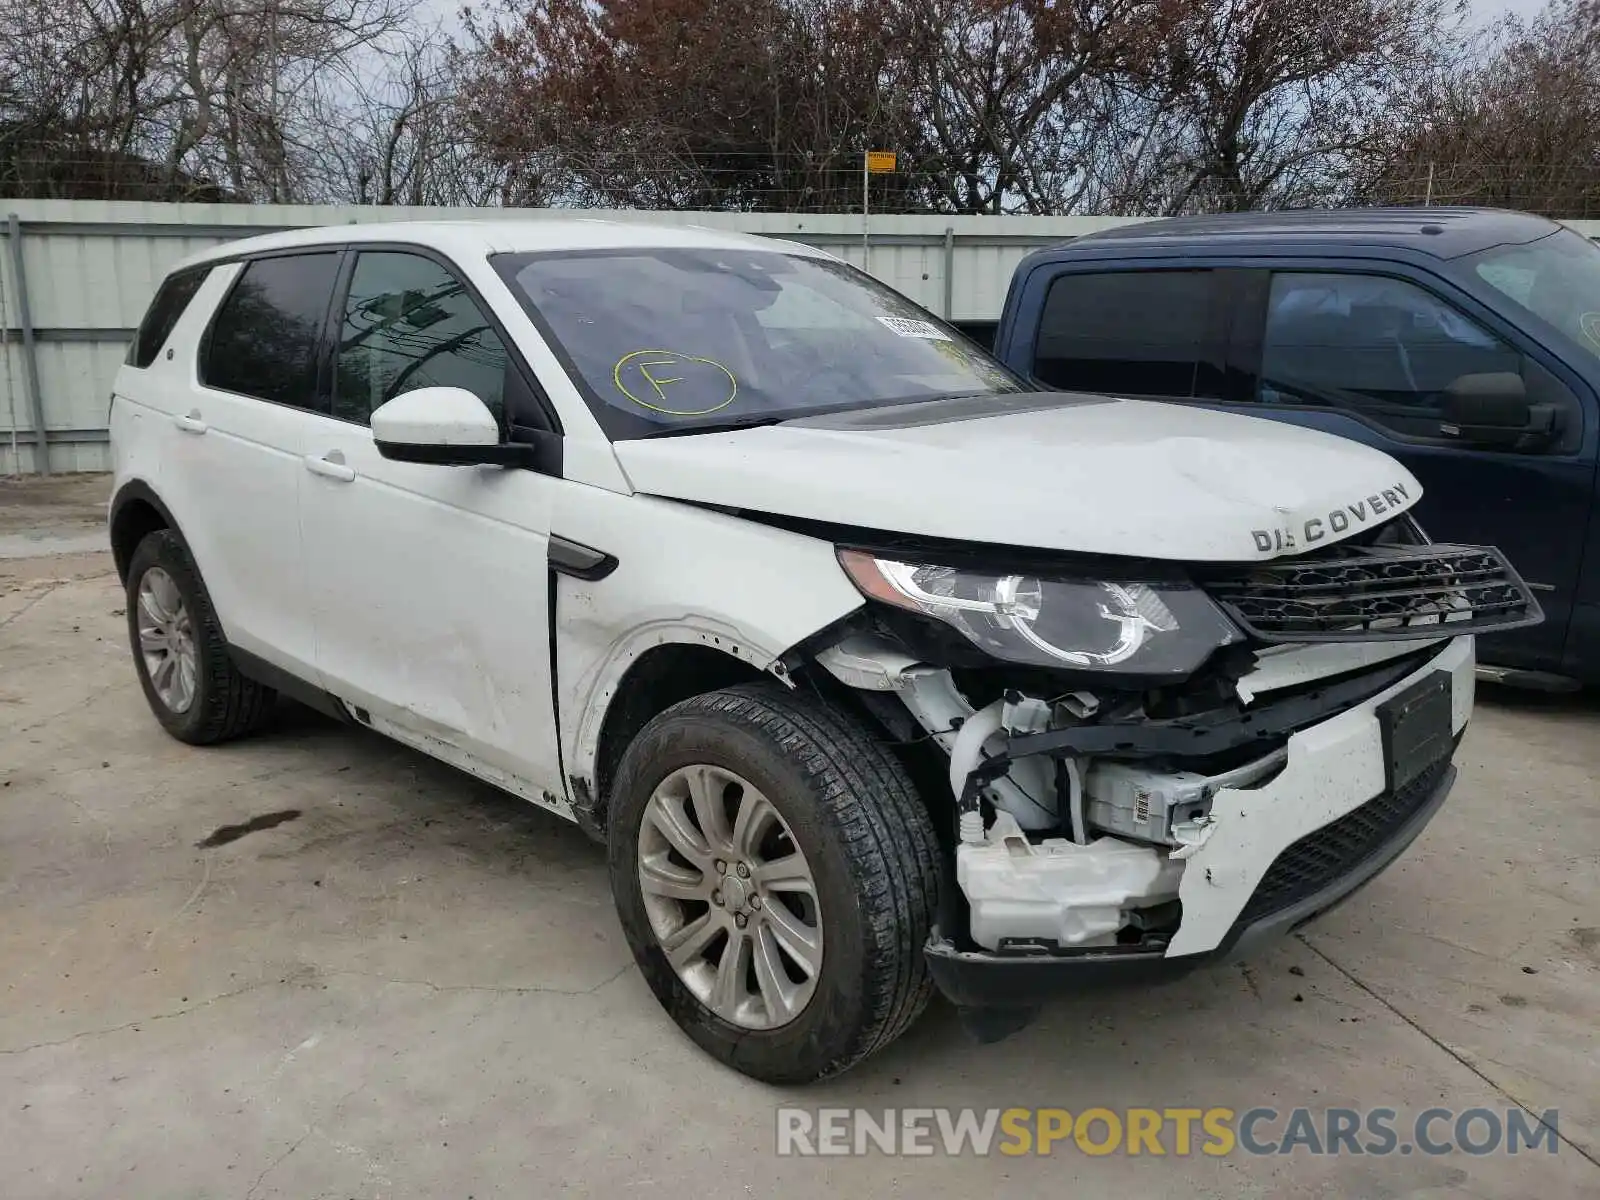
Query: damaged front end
x=1148 y=763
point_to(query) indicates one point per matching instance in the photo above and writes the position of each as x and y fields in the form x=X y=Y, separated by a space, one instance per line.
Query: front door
x=429 y=584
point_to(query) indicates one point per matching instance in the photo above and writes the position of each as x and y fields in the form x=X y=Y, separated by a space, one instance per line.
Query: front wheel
x=776 y=876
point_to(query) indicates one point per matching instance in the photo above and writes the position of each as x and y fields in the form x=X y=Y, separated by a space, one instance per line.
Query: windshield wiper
x=714 y=427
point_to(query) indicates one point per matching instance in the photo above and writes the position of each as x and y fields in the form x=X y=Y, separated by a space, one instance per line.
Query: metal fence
x=76 y=275
x=791 y=182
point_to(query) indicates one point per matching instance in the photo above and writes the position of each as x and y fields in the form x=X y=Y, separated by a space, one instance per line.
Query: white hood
x=1098 y=476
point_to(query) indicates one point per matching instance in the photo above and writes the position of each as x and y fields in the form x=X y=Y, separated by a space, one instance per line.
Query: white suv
x=876 y=669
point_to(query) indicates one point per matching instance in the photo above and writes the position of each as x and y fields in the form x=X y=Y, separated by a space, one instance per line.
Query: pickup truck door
x=1365 y=350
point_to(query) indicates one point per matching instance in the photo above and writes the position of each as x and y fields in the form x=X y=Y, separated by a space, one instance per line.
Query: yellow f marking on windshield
x=1589 y=322
x=705 y=386
x=644 y=369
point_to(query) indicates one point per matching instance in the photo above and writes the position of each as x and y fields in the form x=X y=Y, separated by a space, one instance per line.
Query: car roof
x=1439 y=232
x=464 y=239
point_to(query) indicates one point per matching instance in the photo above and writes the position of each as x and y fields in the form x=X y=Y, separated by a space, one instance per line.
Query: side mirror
x=445 y=426
x=1493 y=409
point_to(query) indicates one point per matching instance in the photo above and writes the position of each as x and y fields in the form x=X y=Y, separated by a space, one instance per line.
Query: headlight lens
x=1099 y=625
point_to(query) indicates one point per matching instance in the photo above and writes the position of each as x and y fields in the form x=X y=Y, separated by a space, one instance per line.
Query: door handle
x=331 y=466
x=190 y=422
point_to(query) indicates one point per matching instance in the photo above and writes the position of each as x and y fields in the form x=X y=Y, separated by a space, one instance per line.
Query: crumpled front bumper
x=1331 y=790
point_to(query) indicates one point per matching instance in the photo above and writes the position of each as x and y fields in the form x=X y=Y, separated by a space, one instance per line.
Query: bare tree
x=1010 y=99
x=397 y=140
x=995 y=106
x=1515 y=123
x=1280 y=99
x=162 y=94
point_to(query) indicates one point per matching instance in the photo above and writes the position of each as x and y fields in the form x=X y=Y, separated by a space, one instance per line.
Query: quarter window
x=171 y=300
x=409 y=323
x=264 y=340
x=1132 y=333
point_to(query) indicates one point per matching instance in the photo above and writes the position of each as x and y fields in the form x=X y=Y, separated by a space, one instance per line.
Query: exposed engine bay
x=1083 y=788
x=1087 y=848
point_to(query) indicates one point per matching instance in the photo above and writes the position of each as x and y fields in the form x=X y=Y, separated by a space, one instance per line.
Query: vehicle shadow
x=420 y=795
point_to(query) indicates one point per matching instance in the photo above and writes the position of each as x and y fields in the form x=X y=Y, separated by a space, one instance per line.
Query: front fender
x=684 y=574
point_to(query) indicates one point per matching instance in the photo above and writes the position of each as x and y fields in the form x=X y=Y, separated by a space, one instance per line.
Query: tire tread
x=866 y=797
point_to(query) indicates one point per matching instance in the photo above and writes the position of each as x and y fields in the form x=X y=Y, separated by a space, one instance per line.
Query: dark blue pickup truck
x=1466 y=343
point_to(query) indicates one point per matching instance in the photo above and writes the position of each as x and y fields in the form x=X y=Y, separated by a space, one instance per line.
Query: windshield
x=669 y=340
x=1557 y=278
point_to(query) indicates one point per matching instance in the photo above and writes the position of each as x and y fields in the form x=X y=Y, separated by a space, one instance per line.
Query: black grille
x=1369 y=593
x=1307 y=866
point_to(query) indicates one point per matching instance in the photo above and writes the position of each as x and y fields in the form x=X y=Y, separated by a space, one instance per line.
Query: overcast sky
x=1489 y=9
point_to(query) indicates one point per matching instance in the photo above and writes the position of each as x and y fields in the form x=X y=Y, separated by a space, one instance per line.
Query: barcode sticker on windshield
x=906 y=327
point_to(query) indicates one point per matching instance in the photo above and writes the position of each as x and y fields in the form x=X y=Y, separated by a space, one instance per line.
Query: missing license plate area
x=1416 y=729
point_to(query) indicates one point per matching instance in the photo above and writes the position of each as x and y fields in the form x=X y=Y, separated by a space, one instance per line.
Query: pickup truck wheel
x=190 y=681
x=776 y=876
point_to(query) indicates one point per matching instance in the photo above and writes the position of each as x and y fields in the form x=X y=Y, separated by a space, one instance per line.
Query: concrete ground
x=62 y=514
x=416 y=986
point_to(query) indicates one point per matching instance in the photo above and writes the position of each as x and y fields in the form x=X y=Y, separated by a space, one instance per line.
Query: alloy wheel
x=166 y=640
x=730 y=897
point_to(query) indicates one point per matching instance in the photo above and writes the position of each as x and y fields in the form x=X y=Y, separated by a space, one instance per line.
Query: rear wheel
x=189 y=679
x=776 y=877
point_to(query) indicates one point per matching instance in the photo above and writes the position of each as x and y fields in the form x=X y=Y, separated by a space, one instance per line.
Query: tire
x=223 y=703
x=848 y=807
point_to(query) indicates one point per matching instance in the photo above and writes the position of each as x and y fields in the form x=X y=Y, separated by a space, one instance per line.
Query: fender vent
x=1375 y=593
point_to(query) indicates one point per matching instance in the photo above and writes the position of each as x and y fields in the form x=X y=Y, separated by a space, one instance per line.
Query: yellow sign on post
x=873 y=162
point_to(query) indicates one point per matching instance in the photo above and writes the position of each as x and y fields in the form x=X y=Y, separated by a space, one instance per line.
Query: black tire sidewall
x=164 y=550
x=825 y=1037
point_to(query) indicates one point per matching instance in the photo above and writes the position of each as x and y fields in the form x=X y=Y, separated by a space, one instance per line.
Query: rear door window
x=169 y=304
x=1130 y=333
x=264 y=339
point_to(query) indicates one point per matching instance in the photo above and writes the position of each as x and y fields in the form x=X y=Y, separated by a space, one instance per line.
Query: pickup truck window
x=1380 y=347
x=1129 y=333
x=1556 y=278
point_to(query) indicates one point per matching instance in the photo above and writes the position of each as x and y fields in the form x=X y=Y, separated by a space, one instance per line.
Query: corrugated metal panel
x=77 y=377
x=92 y=266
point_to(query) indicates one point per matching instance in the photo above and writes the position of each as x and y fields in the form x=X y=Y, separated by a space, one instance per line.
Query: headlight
x=1099 y=625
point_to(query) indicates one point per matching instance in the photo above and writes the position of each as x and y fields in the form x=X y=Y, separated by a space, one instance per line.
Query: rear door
x=231 y=468
x=1367 y=352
